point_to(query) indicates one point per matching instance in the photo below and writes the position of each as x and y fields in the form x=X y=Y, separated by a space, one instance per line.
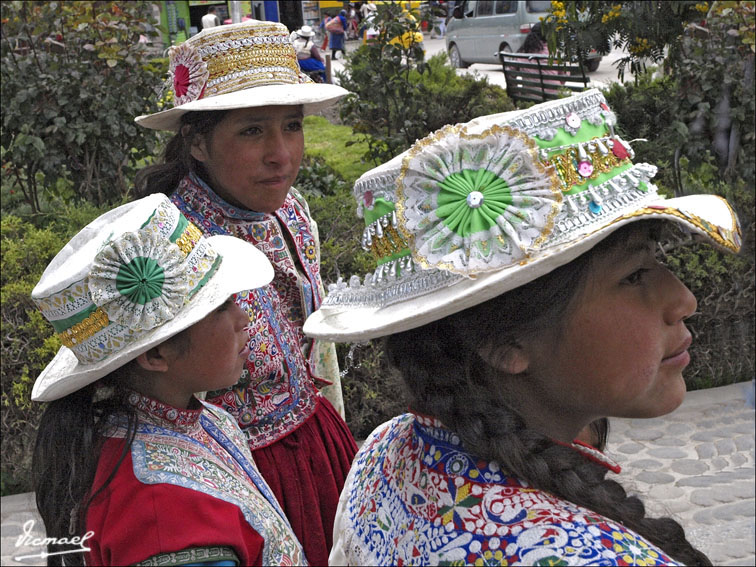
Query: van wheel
x=456 y=59
x=592 y=65
x=504 y=47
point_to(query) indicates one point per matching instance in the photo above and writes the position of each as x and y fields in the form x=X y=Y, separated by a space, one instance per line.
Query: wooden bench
x=526 y=80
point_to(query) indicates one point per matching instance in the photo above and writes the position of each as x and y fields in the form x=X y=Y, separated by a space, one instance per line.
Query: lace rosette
x=189 y=73
x=139 y=282
x=471 y=203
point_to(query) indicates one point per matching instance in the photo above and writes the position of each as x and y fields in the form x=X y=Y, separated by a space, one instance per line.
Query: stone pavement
x=695 y=464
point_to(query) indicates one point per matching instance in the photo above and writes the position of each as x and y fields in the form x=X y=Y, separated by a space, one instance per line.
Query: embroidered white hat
x=128 y=281
x=305 y=31
x=474 y=210
x=243 y=65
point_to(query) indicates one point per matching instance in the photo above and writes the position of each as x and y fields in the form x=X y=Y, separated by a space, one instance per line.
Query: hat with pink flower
x=243 y=65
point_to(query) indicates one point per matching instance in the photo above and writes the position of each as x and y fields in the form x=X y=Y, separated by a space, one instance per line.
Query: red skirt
x=306 y=471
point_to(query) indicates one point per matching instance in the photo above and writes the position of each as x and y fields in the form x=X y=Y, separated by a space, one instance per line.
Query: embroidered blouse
x=414 y=496
x=187 y=490
x=277 y=391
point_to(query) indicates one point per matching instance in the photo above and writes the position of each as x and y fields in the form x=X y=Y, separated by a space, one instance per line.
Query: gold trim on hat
x=84 y=329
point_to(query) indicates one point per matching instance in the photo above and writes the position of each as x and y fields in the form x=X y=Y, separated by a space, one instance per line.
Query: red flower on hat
x=189 y=73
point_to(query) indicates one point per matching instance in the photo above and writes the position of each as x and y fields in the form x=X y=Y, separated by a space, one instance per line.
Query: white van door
x=465 y=31
x=498 y=22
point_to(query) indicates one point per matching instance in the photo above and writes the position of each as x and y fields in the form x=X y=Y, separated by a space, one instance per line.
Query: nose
x=276 y=148
x=681 y=301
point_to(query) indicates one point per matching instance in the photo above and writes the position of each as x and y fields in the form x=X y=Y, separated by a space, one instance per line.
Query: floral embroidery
x=206 y=453
x=417 y=497
x=276 y=394
x=189 y=74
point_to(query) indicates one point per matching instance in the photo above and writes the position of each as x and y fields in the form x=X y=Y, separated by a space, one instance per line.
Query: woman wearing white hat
x=308 y=55
x=521 y=301
x=129 y=465
x=240 y=98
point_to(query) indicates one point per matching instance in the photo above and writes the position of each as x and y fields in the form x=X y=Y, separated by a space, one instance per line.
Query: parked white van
x=480 y=29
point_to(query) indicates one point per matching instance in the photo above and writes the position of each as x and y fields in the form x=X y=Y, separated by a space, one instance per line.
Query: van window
x=538 y=6
x=485 y=8
x=506 y=7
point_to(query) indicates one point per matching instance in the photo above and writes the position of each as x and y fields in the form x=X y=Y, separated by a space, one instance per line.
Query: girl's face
x=217 y=350
x=252 y=156
x=622 y=349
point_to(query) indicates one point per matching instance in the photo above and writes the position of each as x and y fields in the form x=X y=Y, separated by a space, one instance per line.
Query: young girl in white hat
x=127 y=459
x=240 y=98
x=522 y=302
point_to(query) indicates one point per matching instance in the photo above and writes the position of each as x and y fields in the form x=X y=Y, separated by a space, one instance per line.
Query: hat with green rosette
x=474 y=210
x=128 y=281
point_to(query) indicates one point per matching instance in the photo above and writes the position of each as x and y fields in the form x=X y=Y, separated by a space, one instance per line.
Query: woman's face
x=252 y=156
x=622 y=349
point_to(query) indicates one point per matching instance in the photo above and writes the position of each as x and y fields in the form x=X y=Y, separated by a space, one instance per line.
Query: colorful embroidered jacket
x=188 y=491
x=277 y=392
x=414 y=496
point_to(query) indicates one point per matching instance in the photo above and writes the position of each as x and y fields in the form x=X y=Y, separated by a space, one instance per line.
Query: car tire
x=592 y=65
x=456 y=59
x=504 y=47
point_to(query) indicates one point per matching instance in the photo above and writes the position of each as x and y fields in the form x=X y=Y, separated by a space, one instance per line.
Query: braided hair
x=448 y=378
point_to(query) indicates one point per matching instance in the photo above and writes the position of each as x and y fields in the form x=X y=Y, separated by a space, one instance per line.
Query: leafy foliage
x=646 y=30
x=398 y=97
x=74 y=76
x=28 y=342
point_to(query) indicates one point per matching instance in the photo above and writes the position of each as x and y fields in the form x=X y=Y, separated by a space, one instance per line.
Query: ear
x=510 y=360
x=198 y=148
x=157 y=359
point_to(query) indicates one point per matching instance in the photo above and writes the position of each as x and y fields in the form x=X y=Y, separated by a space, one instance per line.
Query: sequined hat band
x=243 y=65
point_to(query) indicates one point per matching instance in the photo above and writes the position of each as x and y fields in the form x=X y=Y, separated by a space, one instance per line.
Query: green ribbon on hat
x=141 y=280
x=453 y=208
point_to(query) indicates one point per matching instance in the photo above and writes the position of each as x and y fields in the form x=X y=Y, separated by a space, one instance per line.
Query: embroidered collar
x=157 y=413
x=430 y=427
x=195 y=183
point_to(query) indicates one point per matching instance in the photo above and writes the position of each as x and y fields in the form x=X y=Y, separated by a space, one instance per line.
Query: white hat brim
x=313 y=97
x=243 y=267
x=356 y=323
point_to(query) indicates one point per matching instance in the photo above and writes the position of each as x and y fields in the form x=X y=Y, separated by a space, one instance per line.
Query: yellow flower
x=702 y=7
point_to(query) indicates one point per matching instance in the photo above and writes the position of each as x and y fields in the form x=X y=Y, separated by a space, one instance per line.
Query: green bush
x=397 y=97
x=74 y=76
x=28 y=342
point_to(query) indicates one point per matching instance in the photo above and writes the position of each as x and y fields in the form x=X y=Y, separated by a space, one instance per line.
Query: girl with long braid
x=523 y=304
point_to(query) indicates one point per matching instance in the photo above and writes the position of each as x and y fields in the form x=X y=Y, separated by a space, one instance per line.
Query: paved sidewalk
x=695 y=464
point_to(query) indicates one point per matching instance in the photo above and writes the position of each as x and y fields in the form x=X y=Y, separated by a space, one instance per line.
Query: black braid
x=448 y=379
x=177 y=160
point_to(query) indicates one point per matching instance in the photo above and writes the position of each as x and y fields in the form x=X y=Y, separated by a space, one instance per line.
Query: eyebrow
x=265 y=118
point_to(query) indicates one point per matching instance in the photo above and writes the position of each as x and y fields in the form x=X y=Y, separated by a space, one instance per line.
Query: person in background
x=231 y=172
x=308 y=55
x=536 y=43
x=210 y=20
x=126 y=456
x=522 y=300
x=336 y=28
